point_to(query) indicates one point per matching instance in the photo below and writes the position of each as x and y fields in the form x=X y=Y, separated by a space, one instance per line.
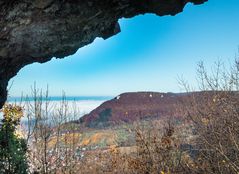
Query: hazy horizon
x=89 y=97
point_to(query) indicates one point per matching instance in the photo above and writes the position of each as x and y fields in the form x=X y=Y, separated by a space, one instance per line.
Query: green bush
x=13 y=148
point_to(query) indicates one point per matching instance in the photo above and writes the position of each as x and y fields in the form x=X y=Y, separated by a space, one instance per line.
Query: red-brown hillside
x=129 y=107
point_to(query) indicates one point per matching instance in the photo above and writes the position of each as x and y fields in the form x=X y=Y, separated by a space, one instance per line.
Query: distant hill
x=128 y=107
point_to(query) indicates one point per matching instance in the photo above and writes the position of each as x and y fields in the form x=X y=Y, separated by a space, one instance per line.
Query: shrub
x=216 y=119
x=12 y=147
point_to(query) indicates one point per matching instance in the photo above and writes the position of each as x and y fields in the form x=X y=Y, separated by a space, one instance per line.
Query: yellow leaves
x=12 y=113
x=205 y=121
x=18 y=134
x=162 y=172
x=113 y=146
x=114 y=149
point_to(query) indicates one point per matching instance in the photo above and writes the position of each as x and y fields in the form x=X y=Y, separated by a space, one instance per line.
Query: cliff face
x=37 y=30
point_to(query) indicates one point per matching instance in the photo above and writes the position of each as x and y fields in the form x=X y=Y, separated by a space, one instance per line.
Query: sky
x=148 y=55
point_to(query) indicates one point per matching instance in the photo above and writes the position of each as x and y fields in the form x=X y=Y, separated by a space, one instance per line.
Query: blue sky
x=148 y=55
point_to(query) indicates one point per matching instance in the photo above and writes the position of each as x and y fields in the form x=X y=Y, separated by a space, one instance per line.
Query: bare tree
x=215 y=118
x=52 y=139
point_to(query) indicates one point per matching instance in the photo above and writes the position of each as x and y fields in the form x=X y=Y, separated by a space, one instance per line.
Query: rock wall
x=37 y=30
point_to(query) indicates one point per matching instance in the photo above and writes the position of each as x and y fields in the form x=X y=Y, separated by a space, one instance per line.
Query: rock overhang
x=37 y=30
